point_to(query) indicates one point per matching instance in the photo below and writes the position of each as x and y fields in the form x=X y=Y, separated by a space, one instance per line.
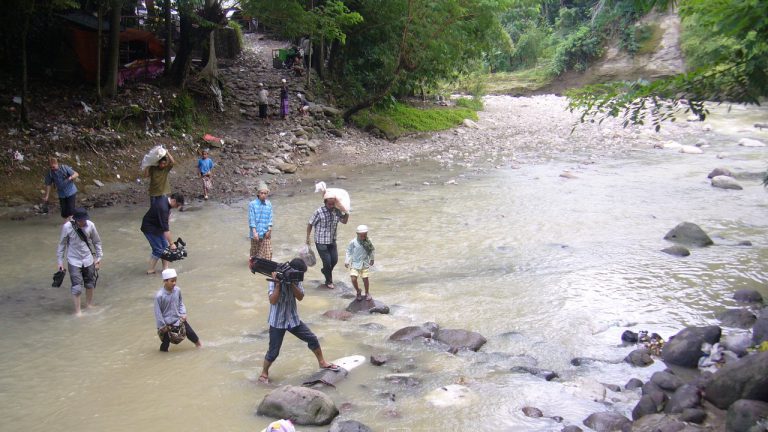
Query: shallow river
x=546 y=268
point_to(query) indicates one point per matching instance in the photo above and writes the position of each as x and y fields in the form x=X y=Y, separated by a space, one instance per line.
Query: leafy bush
x=475 y=103
x=184 y=113
x=576 y=51
x=234 y=25
x=398 y=119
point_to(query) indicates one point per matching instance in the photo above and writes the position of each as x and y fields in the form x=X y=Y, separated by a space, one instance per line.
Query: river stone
x=338 y=314
x=532 y=412
x=645 y=406
x=325 y=377
x=470 y=124
x=640 y=357
x=746 y=378
x=686 y=396
x=460 y=339
x=760 y=331
x=379 y=359
x=749 y=142
x=349 y=426
x=548 y=375
x=725 y=182
x=744 y=414
x=748 y=296
x=572 y=428
x=629 y=336
x=684 y=349
x=689 y=149
x=666 y=381
x=693 y=415
x=632 y=384
x=367 y=306
x=410 y=333
x=740 y=318
x=662 y=423
x=677 y=250
x=304 y=406
x=607 y=422
x=287 y=168
x=720 y=172
x=689 y=234
x=737 y=343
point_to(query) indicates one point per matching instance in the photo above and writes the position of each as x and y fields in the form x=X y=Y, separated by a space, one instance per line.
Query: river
x=547 y=268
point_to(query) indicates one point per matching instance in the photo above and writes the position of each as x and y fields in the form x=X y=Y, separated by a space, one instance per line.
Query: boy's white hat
x=362 y=228
x=169 y=274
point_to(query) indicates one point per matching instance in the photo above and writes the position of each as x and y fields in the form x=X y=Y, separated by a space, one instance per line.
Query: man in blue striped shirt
x=260 y=223
x=284 y=316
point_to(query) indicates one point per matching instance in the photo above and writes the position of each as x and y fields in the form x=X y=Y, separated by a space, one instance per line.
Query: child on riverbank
x=359 y=259
x=205 y=168
x=171 y=314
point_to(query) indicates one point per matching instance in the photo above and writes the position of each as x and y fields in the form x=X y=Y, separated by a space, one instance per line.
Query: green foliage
x=475 y=103
x=734 y=72
x=234 y=25
x=294 y=18
x=578 y=49
x=397 y=119
x=184 y=113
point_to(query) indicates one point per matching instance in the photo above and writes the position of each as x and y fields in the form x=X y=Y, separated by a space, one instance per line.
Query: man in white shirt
x=83 y=251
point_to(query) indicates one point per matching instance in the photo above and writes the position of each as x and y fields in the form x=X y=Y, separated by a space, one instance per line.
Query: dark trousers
x=276 y=335
x=329 y=254
x=67 y=205
x=191 y=335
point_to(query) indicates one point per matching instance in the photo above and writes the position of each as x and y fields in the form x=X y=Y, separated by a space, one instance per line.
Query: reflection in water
x=546 y=268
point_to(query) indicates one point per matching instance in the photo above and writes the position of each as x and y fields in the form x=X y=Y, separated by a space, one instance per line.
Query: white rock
x=470 y=124
x=99 y=183
x=672 y=145
x=749 y=142
x=689 y=149
x=723 y=155
x=725 y=182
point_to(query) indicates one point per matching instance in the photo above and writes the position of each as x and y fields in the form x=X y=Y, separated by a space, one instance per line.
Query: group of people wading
x=81 y=244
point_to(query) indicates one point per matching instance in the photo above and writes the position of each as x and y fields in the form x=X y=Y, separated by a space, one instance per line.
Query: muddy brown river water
x=487 y=237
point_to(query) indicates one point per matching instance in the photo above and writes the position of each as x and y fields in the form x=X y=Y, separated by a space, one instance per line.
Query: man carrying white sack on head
x=325 y=220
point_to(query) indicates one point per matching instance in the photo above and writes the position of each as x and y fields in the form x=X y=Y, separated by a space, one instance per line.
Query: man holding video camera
x=285 y=288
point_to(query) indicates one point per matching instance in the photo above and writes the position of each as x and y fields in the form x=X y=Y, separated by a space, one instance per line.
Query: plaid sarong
x=261 y=248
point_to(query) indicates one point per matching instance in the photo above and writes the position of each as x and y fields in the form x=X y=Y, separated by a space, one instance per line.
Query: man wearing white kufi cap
x=171 y=314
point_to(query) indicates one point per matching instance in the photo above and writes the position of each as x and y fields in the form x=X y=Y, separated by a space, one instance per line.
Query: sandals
x=368 y=297
x=359 y=297
x=263 y=379
x=331 y=367
x=330 y=285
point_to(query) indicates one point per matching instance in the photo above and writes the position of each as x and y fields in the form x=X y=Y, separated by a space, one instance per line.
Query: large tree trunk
x=168 y=35
x=110 y=89
x=184 y=55
x=24 y=73
x=99 y=38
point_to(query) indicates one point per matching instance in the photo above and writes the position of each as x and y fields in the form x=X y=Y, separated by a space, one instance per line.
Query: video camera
x=285 y=272
x=175 y=255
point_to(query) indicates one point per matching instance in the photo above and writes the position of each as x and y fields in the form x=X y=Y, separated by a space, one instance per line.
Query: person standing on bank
x=63 y=176
x=159 y=183
x=325 y=220
x=170 y=311
x=205 y=168
x=262 y=98
x=82 y=243
x=284 y=105
x=284 y=316
x=156 y=227
x=260 y=223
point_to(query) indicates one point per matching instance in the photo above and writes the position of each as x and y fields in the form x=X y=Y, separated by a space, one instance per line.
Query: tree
x=113 y=55
x=737 y=74
x=16 y=24
x=409 y=44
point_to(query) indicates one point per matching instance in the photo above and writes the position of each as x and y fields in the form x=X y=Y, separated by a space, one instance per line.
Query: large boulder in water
x=760 y=330
x=460 y=339
x=368 y=306
x=410 y=333
x=725 y=182
x=741 y=318
x=684 y=349
x=748 y=296
x=302 y=405
x=689 y=234
x=349 y=426
x=746 y=378
x=607 y=422
x=744 y=414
